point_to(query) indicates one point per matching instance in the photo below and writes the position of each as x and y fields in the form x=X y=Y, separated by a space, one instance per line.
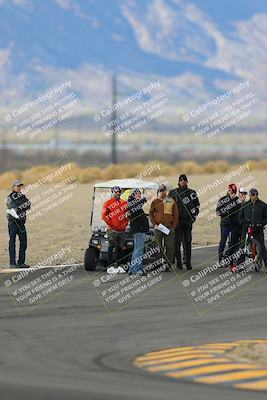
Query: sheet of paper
x=13 y=213
x=162 y=228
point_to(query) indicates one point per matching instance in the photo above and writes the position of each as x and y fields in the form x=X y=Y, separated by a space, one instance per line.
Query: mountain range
x=196 y=49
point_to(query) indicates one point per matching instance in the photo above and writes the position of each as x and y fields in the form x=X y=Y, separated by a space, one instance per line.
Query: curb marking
x=208 y=364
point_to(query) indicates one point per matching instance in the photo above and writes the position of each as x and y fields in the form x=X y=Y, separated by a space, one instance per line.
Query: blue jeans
x=15 y=229
x=137 y=260
x=225 y=231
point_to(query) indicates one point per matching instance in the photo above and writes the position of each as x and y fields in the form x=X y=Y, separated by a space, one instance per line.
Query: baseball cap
x=183 y=177
x=17 y=182
x=253 y=191
x=232 y=188
x=243 y=190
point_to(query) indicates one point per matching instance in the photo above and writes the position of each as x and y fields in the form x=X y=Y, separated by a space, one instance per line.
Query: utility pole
x=114 y=159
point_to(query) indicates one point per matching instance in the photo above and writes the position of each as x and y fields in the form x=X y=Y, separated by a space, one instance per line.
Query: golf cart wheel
x=90 y=259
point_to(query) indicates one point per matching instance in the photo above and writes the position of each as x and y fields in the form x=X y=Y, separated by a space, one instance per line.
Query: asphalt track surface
x=71 y=348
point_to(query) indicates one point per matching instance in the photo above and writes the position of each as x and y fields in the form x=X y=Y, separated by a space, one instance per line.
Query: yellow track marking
x=207 y=363
x=235 y=376
x=162 y=356
x=172 y=359
x=152 y=353
x=187 y=364
x=208 y=370
x=259 y=385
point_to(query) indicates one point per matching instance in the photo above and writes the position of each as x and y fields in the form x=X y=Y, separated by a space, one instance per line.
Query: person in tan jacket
x=164 y=210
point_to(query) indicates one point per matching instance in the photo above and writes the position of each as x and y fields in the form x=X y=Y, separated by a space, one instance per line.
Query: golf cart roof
x=127 y=184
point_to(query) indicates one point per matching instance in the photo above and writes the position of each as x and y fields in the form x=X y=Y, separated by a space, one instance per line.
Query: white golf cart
x=97 y=250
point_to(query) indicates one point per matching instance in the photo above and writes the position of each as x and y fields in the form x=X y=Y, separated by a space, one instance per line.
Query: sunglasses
x=253 y=194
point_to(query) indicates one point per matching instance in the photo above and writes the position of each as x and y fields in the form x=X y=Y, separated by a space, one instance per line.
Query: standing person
x=235 y=227
x=188 y=207
x=254 y=213
x=242 y=196
x=223 y=210
x=139 y=227
x=17 y=206
x=114 y=214
x=164 y=211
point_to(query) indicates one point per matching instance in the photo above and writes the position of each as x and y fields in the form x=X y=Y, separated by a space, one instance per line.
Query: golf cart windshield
x=102 y=192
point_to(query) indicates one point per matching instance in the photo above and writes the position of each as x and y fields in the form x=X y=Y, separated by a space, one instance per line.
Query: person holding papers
x=164 y=216
x=17 y=206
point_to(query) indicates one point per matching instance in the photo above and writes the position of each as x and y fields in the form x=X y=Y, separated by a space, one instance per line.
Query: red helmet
x=232 y=188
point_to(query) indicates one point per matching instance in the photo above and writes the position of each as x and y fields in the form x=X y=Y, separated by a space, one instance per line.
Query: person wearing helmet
x=254 y=213
x=114 y=214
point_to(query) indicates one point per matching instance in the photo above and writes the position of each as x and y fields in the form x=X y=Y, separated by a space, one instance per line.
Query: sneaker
x=121 y=270
x=112 y=270
x=23 y=266
x=179 y=266
x=189 y=267
x=12 y=265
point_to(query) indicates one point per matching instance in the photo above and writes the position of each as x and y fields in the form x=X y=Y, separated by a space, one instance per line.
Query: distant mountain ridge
x=195 y=48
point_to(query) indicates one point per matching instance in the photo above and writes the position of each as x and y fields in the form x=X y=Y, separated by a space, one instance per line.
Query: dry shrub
x=90 y=174
x=256 y=165
x=222 y=166
x=209 y=167
x=263 y=164
x=7 y=178
x=187 y=167
x=165 y=169
x=131 y=171
x=112 y=172
x=33 y=174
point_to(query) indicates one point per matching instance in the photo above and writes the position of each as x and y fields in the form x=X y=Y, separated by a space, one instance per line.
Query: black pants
x=235 y=243
x=116 y=240
x=260 y=237
x=183 y=233
x=14 y=229
x=225 y=231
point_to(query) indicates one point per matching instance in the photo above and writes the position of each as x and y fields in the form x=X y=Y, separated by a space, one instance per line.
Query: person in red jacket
x=114 y=214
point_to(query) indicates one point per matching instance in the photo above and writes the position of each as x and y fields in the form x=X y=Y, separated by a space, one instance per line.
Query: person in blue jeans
x=226 y=209
x=139 y=227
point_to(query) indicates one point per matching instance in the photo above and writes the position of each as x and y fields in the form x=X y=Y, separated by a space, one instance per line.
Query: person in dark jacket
x=139 y=227
x=17 y=207
x=254 y=213
x=188 y=208
x=223 y=210
x=235 y=226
